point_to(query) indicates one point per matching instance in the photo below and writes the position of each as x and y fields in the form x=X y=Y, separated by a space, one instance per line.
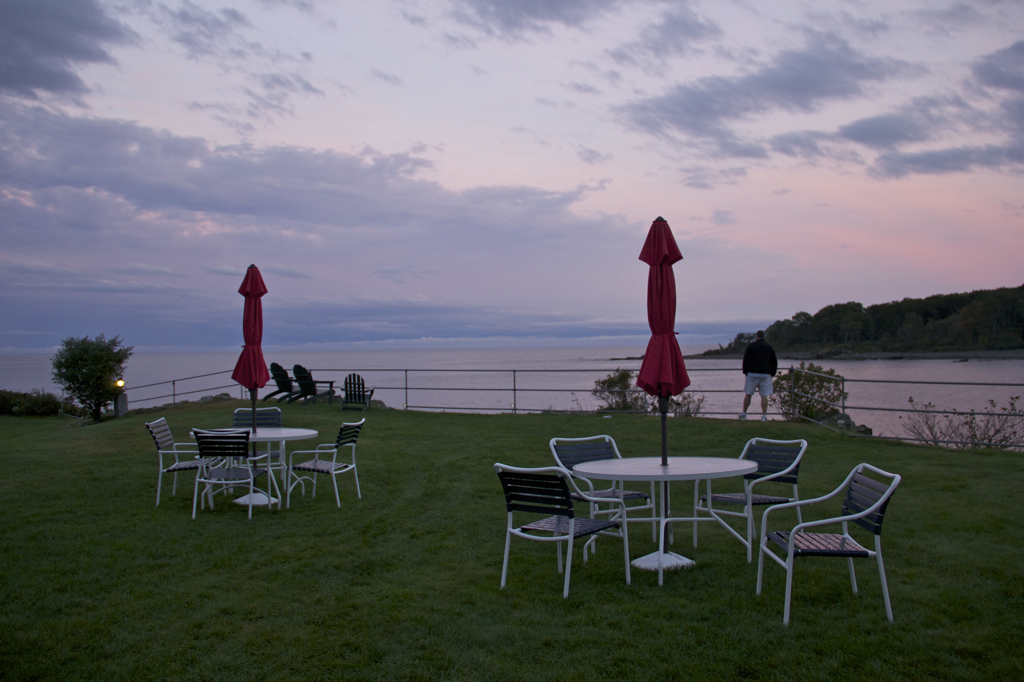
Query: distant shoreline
x=961 y=356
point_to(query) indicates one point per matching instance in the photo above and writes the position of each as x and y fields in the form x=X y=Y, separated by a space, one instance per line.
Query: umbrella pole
x=663 y=408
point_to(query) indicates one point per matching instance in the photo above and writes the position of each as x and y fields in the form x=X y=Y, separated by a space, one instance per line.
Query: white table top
x=275 y=433
x=678 y=469
x=272 y=433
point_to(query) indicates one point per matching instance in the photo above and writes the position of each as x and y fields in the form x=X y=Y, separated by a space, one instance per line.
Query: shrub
x=88 y=369
x=37 y=403
x=618 y=392
x=1002 y=428
x=811 y=393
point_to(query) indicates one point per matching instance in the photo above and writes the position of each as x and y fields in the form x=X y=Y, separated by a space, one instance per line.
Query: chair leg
x=355 y=472
x=625 y=549
x=568 y=565
x=504 y=564
x=195 y=497
x=760 y=564
x=749 y=511
x=789 y=588
x=159 y=481
x=853 y=574
x=337 y=499
x=558 y=547
x=174 y=485
x=881 y=574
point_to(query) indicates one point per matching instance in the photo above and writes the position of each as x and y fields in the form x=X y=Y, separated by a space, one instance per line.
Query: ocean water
x=532 y=379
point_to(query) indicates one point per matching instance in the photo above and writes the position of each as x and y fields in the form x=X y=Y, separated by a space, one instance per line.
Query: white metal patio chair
x=325 y=461
x=568 y=452
x=226 y=464
x=778 y=462
x=549 y=490
x=864 y=504
x=166 y=447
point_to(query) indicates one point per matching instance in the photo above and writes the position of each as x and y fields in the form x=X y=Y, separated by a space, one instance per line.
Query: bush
x=618 y=391
x=1001 y=427
x=37 y=403
x=811 y=394
x=88 y=369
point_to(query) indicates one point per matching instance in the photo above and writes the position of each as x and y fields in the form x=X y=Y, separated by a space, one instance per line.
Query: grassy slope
x=97 y=583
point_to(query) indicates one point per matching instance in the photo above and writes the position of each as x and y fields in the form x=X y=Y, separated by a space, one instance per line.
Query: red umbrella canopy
x=663 y=372
x=251 y=368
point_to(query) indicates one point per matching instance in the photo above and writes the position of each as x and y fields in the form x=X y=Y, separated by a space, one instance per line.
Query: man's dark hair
x=759 y=334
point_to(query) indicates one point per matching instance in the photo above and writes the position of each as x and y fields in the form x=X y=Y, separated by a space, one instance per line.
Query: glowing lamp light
x=120 y=383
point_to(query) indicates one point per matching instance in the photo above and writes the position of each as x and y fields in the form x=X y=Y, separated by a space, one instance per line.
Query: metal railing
x=842 y=406
x=417 y=396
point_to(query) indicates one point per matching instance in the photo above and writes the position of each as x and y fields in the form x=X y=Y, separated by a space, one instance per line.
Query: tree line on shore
x=986 y=319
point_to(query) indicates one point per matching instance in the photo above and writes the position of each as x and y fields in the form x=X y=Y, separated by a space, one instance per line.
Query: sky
x=483 y=173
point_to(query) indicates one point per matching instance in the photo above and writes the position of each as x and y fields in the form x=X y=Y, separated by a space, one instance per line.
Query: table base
x=670 y=561
x=258 y=500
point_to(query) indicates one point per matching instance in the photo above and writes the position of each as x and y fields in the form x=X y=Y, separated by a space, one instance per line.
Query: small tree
x=88 y=370
x=618 y=392
x=812 y=396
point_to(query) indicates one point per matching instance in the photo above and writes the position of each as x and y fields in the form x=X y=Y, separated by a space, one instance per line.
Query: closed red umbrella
x=663 y=372
x=251 y=369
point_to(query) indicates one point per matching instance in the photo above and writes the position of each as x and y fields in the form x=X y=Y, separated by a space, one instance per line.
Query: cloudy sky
x=454 y=173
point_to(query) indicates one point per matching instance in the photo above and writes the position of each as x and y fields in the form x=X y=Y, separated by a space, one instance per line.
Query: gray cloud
x=203 y=32
x=827 y=69
x=364 y=224
x=676 y=33
x=42 y=40
x=516 y=18
x=1003 y=69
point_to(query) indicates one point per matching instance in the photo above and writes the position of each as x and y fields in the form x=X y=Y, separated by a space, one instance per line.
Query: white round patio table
x=270 y=434
x=677 y=469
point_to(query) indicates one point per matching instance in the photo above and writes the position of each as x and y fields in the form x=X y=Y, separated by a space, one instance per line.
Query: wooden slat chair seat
x=549 y=491
x=227 y=464
x=568 y=452
x=325 y=461
x=308 y=390
x=778 y=462
x=283 y=381
x=167 y=448
x=356 y=395
x=864 y=504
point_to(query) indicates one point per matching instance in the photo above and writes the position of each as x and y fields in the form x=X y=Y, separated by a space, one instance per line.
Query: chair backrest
x=773 y=456
x=536 y=491
x=348 y=433
x=355 y=389
x=863 y=492
x=569 y=452
x=281 y=378
x=268 y=417
x=222 y=443
x=304 y=379
x=161 y=433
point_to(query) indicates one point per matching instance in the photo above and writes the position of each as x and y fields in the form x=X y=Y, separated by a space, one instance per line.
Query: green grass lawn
x=99 y=584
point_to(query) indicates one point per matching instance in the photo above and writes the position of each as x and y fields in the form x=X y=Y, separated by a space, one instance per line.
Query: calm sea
x=536 y=379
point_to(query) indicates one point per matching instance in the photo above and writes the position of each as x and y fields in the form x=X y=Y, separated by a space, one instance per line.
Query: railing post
x=514 y=400
x=792 y=393
x=405 y=405
x=842 y=401
x=174 y=392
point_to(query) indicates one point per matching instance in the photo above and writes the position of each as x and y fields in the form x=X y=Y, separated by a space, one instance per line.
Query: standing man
x=759 y=366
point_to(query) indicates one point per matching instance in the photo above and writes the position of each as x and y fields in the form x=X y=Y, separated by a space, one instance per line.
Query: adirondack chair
x=283 y=381
x=308 y=387
x=356 y=395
